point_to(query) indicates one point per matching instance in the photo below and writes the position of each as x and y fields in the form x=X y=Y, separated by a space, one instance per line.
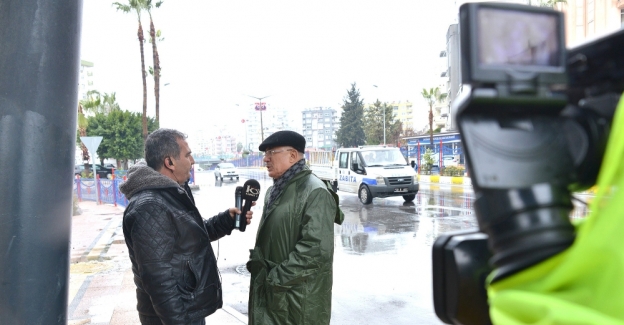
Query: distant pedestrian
x=291 y=264
x=415 y=166
x=175 y=269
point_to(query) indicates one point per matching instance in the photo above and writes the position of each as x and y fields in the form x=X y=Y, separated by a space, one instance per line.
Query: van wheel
x=409 y=198
x=334 y=186
x=365 y=195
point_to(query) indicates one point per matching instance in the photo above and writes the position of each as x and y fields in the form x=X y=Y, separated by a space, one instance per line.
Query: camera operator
x=538 y=122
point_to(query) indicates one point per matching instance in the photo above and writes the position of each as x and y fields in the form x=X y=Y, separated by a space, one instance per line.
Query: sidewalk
x=101 y=286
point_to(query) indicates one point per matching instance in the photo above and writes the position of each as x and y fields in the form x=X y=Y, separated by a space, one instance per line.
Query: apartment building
x=319 y=126
x=86 y=79
x=402 y=111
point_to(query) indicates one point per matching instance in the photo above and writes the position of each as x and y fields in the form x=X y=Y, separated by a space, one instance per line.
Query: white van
x=376 y=171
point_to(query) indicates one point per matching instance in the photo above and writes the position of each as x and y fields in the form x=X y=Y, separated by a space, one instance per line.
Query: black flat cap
x=284 y=138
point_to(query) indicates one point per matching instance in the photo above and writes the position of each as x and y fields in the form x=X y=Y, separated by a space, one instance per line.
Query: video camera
x=534 y=119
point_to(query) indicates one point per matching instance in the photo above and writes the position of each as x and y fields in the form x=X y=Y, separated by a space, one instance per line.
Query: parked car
x=226 y=170
x=103 y=171
x=449 y=161
x=78 y=169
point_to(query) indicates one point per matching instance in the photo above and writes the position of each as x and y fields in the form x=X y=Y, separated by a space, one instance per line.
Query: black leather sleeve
x=220 y=225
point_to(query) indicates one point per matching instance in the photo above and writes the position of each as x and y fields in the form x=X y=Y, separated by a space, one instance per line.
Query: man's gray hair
x=160 y=144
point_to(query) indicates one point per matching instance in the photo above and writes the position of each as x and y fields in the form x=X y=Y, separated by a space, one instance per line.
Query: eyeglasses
x=270 y=153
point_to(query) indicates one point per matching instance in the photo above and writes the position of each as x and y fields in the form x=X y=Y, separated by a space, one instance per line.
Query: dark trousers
x=198 y=322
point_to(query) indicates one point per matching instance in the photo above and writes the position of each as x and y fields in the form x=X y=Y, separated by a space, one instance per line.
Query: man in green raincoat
x=291 y=263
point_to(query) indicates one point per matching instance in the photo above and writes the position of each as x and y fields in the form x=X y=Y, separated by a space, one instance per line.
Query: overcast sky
x=302 y=54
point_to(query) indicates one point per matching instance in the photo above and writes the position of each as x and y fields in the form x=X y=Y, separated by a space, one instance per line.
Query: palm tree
x=88 y=105
x=138 y=6
x=432 y=96
x=149 y=5
x=108 y=103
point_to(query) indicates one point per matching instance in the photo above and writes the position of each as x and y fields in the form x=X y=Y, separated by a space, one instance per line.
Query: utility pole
x=261 y=108
x=40 y=48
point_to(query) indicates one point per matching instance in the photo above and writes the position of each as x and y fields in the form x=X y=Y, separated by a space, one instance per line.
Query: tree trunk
x=83 y=133
x=156 y=69
x=431 y=125
x=144 y=76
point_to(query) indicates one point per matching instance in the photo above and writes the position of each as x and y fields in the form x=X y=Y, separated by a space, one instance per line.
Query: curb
x=455 y=180
x=234 y=313
x=466 y=181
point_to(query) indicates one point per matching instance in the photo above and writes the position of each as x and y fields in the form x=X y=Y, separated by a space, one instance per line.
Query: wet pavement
x=382 y=259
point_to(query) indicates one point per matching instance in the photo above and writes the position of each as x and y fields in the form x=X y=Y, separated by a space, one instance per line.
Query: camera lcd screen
x=517 y=39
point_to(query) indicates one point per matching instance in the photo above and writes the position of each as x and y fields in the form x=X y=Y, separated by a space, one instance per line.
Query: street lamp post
x=384 y=119
x=261 y=125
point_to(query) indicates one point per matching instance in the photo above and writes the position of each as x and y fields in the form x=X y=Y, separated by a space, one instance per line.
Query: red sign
x=243 y=121
x=260 y=106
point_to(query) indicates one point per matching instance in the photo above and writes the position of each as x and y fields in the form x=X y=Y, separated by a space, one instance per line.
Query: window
x=344 y=159
x=590 y=17
x=580 y=20
x=355 y=159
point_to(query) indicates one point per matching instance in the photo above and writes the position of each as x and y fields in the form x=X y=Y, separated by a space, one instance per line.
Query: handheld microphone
x=251 y=192
x=238 y=203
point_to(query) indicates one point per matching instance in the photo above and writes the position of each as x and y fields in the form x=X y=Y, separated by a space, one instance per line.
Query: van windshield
x=380 y=158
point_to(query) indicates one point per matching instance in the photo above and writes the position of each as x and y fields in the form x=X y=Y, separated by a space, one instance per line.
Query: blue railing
x=252 y=173
x=108 y=191
x=249 y=161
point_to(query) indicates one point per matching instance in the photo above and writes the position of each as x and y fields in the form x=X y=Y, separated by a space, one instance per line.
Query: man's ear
x=168 y=163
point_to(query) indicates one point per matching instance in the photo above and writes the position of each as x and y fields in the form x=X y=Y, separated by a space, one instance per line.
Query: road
x=382 y=260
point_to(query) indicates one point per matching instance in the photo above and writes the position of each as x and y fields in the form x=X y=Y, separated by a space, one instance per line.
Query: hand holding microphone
x=249 y=192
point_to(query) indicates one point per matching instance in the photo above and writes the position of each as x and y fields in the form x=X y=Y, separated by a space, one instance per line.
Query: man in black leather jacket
x=175 y=269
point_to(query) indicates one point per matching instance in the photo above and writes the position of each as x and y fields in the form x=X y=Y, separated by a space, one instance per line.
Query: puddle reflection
x=390 y=224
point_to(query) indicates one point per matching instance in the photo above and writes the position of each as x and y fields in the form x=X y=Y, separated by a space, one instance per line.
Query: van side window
x=355 y=159
x=344 y=160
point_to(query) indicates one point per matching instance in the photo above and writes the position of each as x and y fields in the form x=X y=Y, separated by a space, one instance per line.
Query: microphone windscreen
x=251 y=190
